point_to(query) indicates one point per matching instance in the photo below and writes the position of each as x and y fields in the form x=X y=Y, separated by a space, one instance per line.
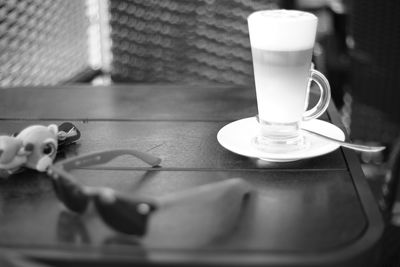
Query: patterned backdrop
x=42 y=41
x=182 y=41
x=45 y=42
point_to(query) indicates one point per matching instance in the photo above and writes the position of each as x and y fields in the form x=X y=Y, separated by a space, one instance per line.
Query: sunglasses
x=122 y=213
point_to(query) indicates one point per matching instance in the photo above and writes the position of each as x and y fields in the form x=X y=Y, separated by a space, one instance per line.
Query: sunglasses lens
x=125 y=215
x=57 y=190
x=71 y=194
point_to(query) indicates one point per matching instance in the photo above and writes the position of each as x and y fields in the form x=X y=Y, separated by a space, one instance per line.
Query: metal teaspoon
x=347 y=144
x=353 y=146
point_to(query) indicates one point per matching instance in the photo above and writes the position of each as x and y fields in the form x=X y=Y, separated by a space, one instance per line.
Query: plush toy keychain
x=35 y=147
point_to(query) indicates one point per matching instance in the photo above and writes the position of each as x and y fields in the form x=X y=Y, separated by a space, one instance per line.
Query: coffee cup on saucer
x=282 y=43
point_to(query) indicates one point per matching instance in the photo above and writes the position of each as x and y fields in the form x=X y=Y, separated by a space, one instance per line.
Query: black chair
x=375 y=64
x=390 y=205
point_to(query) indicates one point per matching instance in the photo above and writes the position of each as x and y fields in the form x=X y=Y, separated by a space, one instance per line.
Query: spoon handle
x=347 y=144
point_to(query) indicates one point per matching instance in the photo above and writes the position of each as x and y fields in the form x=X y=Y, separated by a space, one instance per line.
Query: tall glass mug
x=282 y=43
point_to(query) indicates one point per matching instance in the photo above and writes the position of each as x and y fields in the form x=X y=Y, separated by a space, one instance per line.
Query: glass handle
x=324 y=99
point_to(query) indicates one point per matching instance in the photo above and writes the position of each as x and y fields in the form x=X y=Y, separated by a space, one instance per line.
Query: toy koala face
x=40 y=142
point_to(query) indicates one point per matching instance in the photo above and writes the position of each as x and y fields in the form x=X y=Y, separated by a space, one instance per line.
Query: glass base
x=280 y=138
x=280 y=146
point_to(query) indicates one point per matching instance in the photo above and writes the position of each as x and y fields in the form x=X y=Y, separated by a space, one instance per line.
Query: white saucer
x=238 y=137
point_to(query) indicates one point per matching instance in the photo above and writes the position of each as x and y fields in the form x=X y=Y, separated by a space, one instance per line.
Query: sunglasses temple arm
x=146 y=157
x=108 y=155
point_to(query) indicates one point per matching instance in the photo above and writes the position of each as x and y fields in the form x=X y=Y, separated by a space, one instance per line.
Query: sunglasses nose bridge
x=107 y=195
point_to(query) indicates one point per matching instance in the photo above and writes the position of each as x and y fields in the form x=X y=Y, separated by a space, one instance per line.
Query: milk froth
x=282 y=30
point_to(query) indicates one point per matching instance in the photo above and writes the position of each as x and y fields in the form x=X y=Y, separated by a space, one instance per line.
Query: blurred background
x=51 y=42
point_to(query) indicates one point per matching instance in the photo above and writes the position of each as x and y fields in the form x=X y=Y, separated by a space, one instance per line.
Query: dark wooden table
x=318 y=211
